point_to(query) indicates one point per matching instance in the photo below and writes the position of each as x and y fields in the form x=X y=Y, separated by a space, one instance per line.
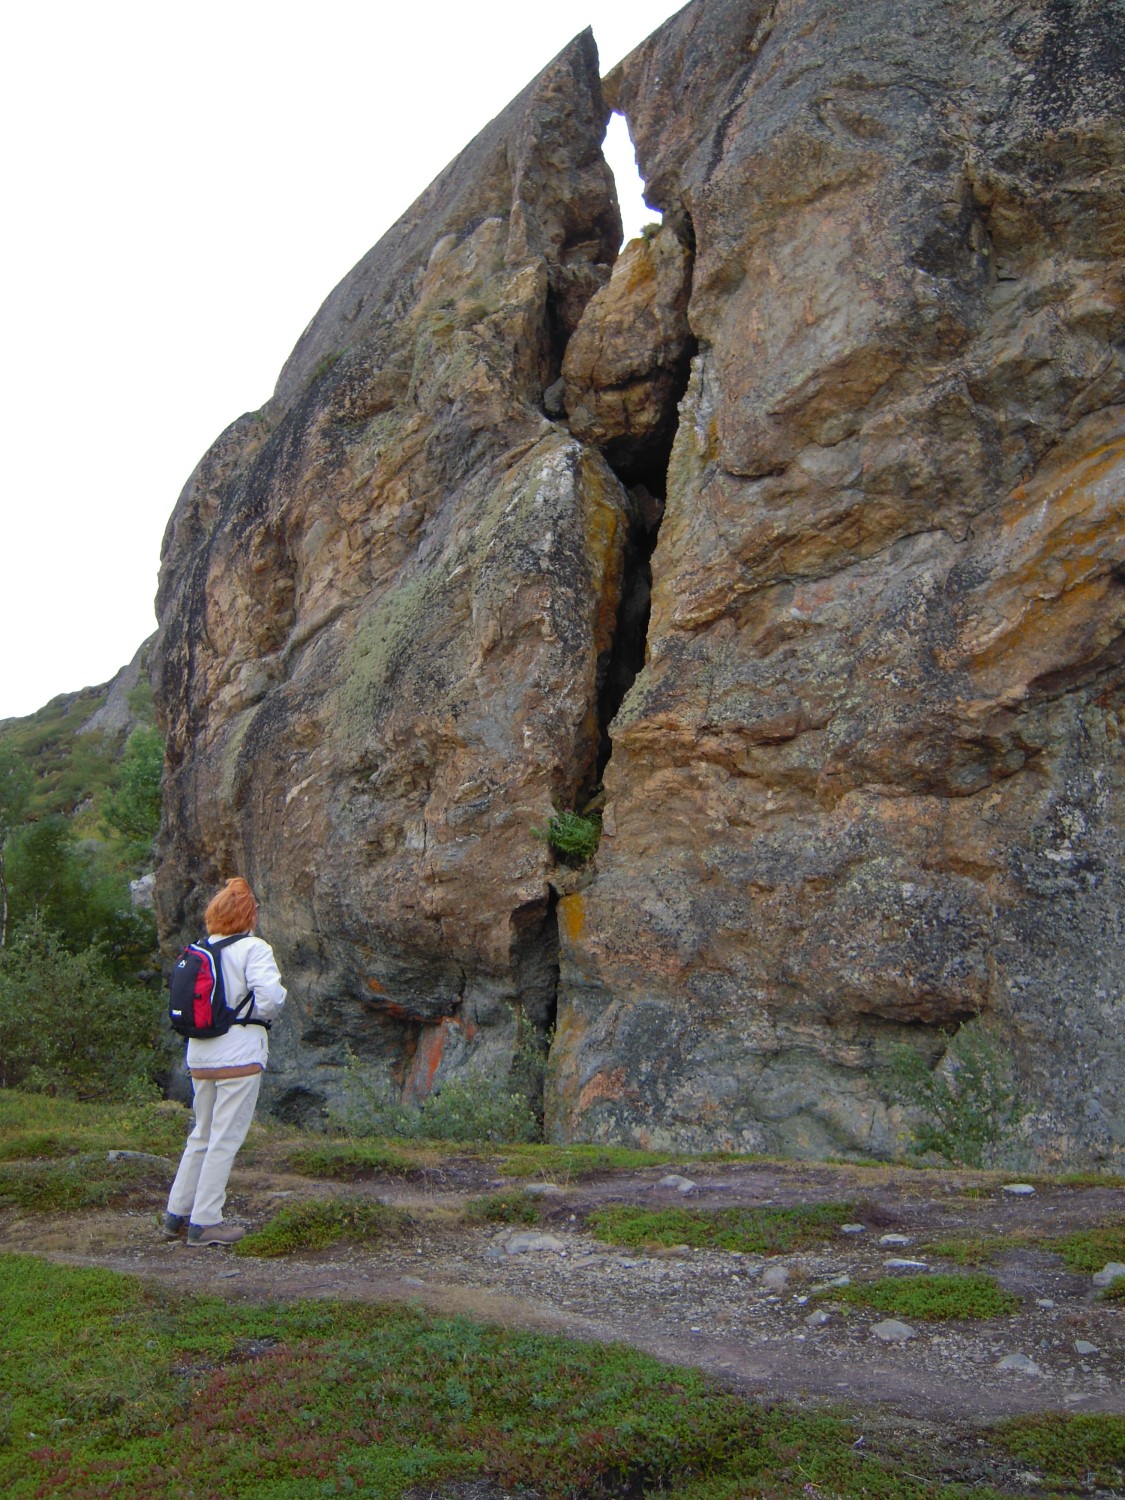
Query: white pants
x=224 y=1108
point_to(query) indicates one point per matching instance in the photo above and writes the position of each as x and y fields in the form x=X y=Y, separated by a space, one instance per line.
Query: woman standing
x=226 y=1072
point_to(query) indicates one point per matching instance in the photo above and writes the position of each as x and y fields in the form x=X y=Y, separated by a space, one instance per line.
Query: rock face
x=819 y=570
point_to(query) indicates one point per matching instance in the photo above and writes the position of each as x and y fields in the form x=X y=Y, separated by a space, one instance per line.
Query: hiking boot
x=173 y=1226
x=214 y=1234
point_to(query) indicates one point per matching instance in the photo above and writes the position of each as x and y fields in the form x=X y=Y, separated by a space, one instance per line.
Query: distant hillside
x=74 y=746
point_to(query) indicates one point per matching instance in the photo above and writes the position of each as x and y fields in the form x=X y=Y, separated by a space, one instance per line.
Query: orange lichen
x=608 y=1085
x=572 y=916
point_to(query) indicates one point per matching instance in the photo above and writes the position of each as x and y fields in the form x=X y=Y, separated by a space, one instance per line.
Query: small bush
x=346 y=1161
x=756 y=1231
x=462 y=1109
x=572 y=837
x=85 y=1181
x=68 y=1027
x=968 y=1106
x=34 y=1126
x=587 y=1160
x=1088 y=1250
x=974 y=1250
x=1087 y=1448
x=511 y=1207
x=319 y=1223
x=932 y=1298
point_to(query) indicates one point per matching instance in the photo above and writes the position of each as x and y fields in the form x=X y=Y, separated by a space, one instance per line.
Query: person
x=226 y=1073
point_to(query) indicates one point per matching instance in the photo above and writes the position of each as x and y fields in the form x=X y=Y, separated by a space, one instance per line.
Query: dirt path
x=742 y=1317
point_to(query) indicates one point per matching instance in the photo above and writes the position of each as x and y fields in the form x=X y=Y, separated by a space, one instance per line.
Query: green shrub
x=348 y=1160
x=69 y=1027
x=1088 y=1250
x=511 y=1207
x=1087 y=1448
x=71 y=887
x=932 y=1298
x=587 y=1160
x=461 y=1109
x=757 y=1231
x=132 y=807
x=319 y=1223
x=84 y=1181
x=37 y=1126
x=968 y=1106
x=572 y=837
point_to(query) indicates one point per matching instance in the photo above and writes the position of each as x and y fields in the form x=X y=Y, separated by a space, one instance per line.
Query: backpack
x=197 y=1000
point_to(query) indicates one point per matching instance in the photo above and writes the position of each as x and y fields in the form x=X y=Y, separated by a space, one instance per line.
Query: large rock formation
x=845 y=439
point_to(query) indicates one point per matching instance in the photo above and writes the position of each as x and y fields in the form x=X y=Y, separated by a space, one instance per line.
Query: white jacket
x=248 y=965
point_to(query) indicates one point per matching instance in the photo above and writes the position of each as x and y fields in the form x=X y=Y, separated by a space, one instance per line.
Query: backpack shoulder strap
x=224 y=942
x=247 y=1001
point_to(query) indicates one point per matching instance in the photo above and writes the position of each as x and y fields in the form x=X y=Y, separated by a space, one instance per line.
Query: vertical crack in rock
x=625 y=372
x=535 y=968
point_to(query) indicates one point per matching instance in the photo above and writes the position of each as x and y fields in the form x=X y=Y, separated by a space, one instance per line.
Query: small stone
x=828 y=1286
x=1083 y=1346
x=818 y=1319
x=1020 y=1363
x=774 y=1278
x=674 y=1180
x=896 y=1239
x=1046 y=1302
x=543 y=1189
x=553 y=399
x=894 y=1264
x=853 y=1228
x=519 y=1243
x=891 y=1331
x=1019 y=1189
x=413 y=1281
x=1112 y=1271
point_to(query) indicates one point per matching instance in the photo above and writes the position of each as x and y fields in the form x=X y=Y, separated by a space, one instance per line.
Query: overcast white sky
x=183 y=186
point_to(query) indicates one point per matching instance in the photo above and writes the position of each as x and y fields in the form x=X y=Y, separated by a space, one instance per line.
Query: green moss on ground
x=1086 y=1449
x=932 y=1298
x=318 y=1223
x=510 y=1207
x=756 y=1231
x=37 y=1126
x=347 y=1161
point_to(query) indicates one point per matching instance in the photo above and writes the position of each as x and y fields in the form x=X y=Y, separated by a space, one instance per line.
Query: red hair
x=234 y=909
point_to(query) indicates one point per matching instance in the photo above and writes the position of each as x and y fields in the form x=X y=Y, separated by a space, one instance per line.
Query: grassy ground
x=114 y=1387
x=756 y=1231
x=932 y=1298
